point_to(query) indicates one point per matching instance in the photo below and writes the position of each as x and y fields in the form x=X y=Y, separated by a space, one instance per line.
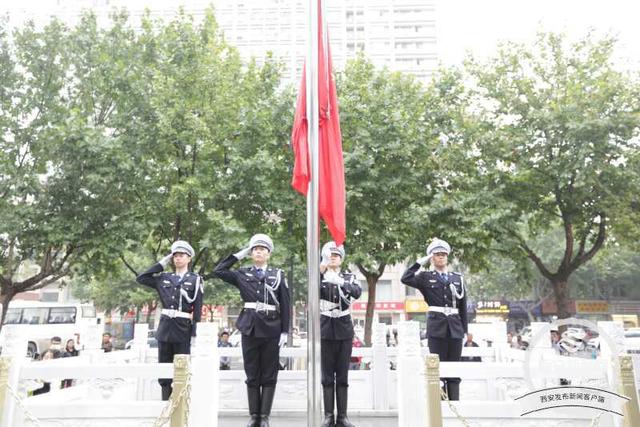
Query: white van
x=43 y=320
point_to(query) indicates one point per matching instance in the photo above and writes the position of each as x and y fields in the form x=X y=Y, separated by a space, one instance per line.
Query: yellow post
x=180 y=414
x=5 y=364
x=630 y=411
x=432 y=371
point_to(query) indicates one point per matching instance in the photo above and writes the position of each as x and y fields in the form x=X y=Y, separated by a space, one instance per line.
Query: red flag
x=331 y=203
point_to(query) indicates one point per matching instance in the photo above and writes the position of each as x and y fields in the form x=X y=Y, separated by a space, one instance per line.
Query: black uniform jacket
x=258 y=323
x=436 y=292
x=168 y=286
x=338 y=328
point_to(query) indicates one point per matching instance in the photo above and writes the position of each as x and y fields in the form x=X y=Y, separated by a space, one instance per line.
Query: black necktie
x=444 y=276
x=259 y=273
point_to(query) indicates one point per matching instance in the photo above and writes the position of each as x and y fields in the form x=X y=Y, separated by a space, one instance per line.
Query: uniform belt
x=336 y=313
x=175 y=313
x=260 y=306
x=445 y=310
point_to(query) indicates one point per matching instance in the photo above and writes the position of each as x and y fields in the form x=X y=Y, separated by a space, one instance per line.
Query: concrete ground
x=299 y=419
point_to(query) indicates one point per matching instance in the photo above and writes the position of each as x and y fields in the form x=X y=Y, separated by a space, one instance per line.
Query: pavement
x=299 y=419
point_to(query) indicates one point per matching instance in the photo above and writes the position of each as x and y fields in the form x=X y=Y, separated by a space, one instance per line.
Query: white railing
x=122 y=386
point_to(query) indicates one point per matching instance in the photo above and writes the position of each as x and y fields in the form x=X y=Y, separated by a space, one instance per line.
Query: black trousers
x=261 y=358
x=334 y=360
x=449 y=349
x=166 y=351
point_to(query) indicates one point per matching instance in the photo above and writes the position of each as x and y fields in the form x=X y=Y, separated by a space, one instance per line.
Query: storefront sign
x=587 y=306
x=492 y=307
x=415 y=306
x=379 y=306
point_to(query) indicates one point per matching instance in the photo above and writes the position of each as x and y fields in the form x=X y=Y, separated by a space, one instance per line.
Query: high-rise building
x=398 y=34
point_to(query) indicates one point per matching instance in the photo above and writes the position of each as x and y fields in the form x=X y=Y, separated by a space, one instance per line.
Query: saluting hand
x=423 y=260
x=243 y=253
x=166 y=260
x=334 y=278
x=326 y=257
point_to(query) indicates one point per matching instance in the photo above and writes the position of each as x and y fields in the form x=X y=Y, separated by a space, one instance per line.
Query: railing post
x=180 y=414
x=499 y=339
x=14 y=353
x=5 y=398
x=628 y=384
x=434 y=411
x=411 y=385
x=140 y=347
x=205 y=368
x=381 y=367
x=92 y=349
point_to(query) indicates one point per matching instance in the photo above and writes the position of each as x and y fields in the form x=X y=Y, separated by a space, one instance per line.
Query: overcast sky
x=477 y=25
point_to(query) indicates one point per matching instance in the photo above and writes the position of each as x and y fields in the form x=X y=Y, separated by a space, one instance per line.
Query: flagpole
x=313 y=229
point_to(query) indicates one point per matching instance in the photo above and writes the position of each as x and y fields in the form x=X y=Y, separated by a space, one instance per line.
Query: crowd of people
x=56 y=351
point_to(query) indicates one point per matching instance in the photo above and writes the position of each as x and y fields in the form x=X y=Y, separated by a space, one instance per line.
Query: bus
x=41 y=321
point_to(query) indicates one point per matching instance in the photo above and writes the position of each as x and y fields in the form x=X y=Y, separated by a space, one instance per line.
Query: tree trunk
x=372 y=281
x=150 y=309
x=561 y=293
x=5 y=299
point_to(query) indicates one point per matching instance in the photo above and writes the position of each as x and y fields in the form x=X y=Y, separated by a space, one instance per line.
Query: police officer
x=264 y=322
x=336 y=330
x=444 y=292
x=181 y=297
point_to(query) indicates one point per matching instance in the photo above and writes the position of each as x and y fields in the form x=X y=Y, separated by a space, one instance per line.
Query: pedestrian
x=55 y=345
x=181 y=294
x=555 y=340
x=46 y=386
x=107 y=345
x=445 y=294
x=355 y=361
x=263 y=322
x=470 y=343
x=69 y=351
x=225 y=361
x=337 y=289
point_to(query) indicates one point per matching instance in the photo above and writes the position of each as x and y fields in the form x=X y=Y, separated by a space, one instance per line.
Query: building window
x=410 y=292
x=62 y=315
x=383 y=290
x=385 y=318
x=49 y=297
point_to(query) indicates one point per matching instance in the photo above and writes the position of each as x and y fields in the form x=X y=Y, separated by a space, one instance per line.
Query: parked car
x=632 y=339
x=151 y=340
x=153 y=343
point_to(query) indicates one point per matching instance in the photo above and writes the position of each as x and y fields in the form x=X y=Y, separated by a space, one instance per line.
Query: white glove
x=283 y=339
x=326 y=257
x=423 y=260
x=332 y=277
x=166 y=260
x=243 y=253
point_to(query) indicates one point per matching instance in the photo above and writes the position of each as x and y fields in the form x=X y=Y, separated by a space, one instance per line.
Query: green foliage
x=554 y=129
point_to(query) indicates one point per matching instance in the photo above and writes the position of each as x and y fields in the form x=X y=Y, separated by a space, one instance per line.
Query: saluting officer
x=337 y=289
x=444 y=292
x=181 y=297
x=264 y=322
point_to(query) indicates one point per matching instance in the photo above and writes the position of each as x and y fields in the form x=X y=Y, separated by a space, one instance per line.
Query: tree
x=397 y=200
x=554 y=128
x=63 y=180
x=208 y=135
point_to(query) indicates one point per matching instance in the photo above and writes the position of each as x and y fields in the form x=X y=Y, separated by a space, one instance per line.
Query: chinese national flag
x=331 y=168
